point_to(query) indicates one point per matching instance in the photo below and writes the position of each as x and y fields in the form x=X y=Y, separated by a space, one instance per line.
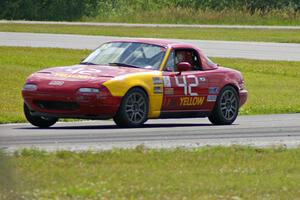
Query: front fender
x=150 y=81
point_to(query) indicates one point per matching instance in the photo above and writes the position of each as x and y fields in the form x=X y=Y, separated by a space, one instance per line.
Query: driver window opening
x=183 y=55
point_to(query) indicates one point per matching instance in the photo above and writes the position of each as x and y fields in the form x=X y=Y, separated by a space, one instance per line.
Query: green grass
x=190 y=15
x=203 y=173
x=273 y=86
x=18 y=63
x=260 y=35
x=280 y=12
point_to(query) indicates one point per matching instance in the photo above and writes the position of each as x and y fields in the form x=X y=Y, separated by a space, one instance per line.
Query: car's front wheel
x=133 y=111
x=42 y=122
x=226 y=108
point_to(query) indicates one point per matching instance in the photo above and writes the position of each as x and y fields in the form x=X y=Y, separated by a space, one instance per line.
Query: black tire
x=41 y=122
x=133 y=111
x=226 y=108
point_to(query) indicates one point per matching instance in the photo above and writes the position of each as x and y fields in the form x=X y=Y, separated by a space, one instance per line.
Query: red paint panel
x=185 y=91
x=93 y=104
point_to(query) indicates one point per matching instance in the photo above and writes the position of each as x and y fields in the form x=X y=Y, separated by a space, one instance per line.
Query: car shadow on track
x=145 y=126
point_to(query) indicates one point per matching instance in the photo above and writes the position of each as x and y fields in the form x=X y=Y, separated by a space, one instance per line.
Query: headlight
x=30 y=87
x=89 y=90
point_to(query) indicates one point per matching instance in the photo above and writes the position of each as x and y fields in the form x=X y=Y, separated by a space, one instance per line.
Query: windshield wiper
x=122 y=64
x=87 y=63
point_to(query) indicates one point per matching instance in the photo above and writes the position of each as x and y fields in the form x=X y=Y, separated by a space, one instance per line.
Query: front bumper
x=68 y=104
x=243 y=97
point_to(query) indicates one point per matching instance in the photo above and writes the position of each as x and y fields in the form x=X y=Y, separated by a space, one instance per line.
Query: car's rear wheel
x=39 y=121
x=133 y=111
x=226 y=108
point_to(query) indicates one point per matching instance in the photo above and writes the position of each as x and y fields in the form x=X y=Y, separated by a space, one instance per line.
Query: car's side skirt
x=183 y=114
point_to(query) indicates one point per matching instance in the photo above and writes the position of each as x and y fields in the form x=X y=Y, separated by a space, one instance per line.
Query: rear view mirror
x=184 y=66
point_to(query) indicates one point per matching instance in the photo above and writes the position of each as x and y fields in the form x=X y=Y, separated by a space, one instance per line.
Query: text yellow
x=191 y=101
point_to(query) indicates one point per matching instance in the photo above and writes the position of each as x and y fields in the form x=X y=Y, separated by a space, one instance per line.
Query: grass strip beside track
x=258 y=35
x=203 y=173
x=273 y=86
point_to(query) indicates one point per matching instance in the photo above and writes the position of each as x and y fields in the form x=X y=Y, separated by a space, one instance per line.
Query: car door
x=187 y=90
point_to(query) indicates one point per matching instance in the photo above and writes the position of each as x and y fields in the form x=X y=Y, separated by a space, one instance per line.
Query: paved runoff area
x=226 y=49
x=262 y=131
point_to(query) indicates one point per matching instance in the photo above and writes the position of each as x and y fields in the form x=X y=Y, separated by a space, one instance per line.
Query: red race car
x=135 y=80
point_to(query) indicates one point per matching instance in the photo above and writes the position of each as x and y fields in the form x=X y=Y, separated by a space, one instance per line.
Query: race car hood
x=68 y=79
x=89 y=71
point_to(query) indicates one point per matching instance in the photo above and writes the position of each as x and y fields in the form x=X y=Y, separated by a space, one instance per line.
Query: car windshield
x=127 y=54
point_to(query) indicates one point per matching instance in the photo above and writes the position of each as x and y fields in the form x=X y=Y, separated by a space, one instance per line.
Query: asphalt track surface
x=249 y=50
x=150 y=25
x=263 y=130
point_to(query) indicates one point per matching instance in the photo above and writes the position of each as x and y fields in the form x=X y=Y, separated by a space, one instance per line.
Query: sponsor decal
x=169 y=91
x=73 y=76
x=167 y=81
x=213 y=90
x=191 y=101
x=120 y=78
x=157 y=90
x=211 y=98
x=83 y=71
x=168 y=102
x=202 y=79
x=157 y=80
x=56 y=83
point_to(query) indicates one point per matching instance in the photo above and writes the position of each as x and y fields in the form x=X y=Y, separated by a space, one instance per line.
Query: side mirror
x=184 y=66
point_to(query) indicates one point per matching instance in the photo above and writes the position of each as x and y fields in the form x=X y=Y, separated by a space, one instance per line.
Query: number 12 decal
x=187 y=84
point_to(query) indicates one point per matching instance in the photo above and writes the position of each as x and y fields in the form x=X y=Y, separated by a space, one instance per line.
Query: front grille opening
x=57 y=105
